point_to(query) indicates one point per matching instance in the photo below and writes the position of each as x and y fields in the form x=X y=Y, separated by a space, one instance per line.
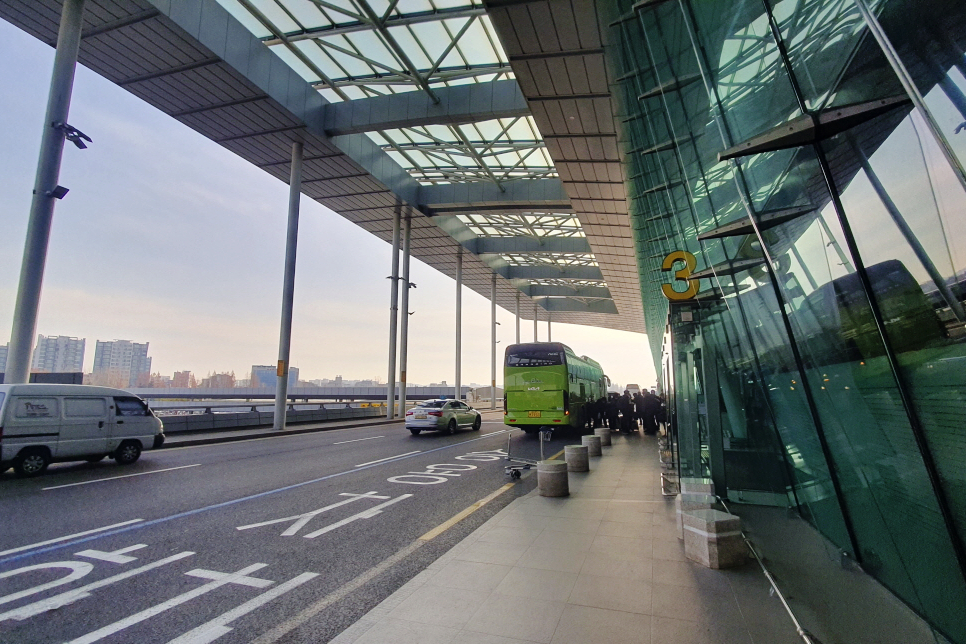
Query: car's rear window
x=432 y=403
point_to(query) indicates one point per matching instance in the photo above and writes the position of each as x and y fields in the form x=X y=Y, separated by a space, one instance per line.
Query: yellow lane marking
x=446 y=525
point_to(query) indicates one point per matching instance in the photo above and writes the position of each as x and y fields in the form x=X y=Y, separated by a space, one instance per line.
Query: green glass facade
x=809 y=154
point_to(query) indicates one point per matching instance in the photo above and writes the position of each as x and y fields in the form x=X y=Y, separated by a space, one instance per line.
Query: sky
x=167 y=238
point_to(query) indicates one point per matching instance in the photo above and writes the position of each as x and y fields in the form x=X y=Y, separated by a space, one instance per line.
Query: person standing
x=651 y=405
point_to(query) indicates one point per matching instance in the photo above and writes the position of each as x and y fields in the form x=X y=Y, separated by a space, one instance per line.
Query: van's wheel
x=414 y=432
x=477 y=424
x=31 y=462
x=451 y=427
x=127 y=453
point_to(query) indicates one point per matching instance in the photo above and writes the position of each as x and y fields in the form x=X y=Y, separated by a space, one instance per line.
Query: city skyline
x=200 y=234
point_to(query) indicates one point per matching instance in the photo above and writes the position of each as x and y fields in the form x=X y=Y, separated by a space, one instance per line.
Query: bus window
x=534 y=357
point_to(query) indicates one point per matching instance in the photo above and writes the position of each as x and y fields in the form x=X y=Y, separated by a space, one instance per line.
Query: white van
x=42 y=424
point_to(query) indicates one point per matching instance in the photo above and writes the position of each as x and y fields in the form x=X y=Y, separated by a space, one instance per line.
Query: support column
x=518 y=318
x=288 y=286
x=393 y=317
x=459 y=323
x=549 y=337
x=535 y=320
x=404 y=331
x=493 y=342
x=42 y=206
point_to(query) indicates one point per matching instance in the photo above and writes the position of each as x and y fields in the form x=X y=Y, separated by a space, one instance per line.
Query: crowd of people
x=627 y=413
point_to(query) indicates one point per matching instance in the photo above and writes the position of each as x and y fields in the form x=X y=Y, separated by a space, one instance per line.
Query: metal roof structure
x=494 y=135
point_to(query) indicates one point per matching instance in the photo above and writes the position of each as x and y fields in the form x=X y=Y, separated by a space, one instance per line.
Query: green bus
x=547 y=385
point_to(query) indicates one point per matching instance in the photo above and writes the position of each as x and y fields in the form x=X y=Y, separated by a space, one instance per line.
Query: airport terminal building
x=774 y=191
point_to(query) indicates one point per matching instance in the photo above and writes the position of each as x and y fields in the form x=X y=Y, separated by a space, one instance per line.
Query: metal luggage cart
x=516 y=471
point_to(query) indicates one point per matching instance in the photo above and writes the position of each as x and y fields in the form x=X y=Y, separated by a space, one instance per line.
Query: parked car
x=45 y=423
x=442 y=415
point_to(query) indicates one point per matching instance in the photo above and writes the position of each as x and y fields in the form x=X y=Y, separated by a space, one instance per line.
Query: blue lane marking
x=180 y=515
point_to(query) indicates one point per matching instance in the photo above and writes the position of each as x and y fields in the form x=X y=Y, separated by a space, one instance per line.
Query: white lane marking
x=71 y=596
x=356 y=440
x=137 y=618
x=210 y=631
x=70 y=536
x=77 y=569
x=365 y=514
x=389 y=458
x=502 y=431
x=236 y=578
x=115 y=556
x=125 y=476
x=302 y=519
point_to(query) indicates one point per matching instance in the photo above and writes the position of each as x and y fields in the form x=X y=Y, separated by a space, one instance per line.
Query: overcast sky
x=167 y=238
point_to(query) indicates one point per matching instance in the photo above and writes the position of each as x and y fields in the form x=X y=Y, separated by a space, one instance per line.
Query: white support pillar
x=493 y=342
x=46 y=193
x=393 y=317
x=518 y=317
x=288 y=286
x=404 y=330
x=549 y=337
x=535 y=319
x=459 y=323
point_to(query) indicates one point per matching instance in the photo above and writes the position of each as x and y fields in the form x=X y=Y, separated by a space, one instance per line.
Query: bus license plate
x=533 y=414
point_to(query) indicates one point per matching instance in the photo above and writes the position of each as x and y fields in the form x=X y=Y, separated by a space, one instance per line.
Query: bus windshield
x=534 y=357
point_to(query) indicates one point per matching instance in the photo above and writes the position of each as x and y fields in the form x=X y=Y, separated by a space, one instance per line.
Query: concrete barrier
x=685 y=502
x=604 y=434
x=577 y=458
x=592 y=443
x=249 y=419
x=713 y=538
x=552 y=478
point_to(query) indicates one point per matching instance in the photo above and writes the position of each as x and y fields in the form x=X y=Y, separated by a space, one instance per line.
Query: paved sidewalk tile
x=603 y=565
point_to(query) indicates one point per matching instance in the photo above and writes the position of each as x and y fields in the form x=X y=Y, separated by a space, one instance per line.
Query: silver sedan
x=442 y=415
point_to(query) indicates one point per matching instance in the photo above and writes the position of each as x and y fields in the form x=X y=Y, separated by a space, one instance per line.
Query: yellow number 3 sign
x=682 y=275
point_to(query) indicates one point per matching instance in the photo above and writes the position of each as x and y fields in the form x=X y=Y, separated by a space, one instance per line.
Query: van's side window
x=84 y=407
x=130 y=407
x=37 y=408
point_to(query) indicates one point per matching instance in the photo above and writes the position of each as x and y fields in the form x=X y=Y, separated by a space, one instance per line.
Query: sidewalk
x=603 y=566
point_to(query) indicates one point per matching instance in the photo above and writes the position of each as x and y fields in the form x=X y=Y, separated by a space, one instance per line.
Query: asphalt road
x=285 y=539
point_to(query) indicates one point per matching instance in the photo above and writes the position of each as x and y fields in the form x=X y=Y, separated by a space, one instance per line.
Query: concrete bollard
x=713 y=538
x=604 y=434
x=694 y=485
x=577 y=458
x=686 y=502
x=552 y=478
x=592 y=443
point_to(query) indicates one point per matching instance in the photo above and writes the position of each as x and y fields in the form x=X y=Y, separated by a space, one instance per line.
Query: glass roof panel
x=523 y=224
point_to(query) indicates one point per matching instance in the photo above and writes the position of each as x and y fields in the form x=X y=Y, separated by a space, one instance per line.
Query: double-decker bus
x=547 y=384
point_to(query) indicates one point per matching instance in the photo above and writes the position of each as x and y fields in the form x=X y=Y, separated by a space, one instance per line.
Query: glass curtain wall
x=809 y=154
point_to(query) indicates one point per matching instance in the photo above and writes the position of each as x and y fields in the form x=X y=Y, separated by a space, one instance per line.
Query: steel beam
x=535 y=194
x=457 y=104
x=550 y=272
x=493 y=341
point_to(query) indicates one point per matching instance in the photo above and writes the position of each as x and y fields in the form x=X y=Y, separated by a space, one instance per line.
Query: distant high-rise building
x=3 y=356
x=267 y=376
x=182 y=379
x=122 y=362
x=58 y=354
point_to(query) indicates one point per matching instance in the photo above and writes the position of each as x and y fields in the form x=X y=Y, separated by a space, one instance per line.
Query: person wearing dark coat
x=626 y=406
x=612 y=411
x=651 y=408
x=638 y=408
x=600 y=418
